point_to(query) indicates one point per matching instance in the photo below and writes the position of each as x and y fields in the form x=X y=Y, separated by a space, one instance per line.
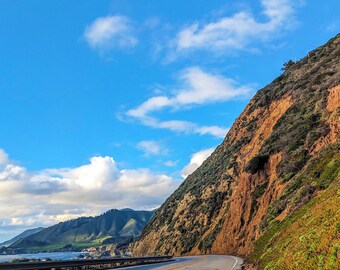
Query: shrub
x=256 y=164
x=287 y=65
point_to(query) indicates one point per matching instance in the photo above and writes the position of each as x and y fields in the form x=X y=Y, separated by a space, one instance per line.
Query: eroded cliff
x=261 y=174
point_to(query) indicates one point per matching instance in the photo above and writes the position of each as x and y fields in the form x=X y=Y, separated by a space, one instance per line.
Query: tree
x=287 y=65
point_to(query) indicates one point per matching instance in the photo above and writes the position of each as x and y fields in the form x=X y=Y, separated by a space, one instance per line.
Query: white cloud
x=238 y=31
x=170 y=163
x=196 y=88
x=43 y=198
x=93 y=176
x=152 y=148
x=3 y=157
x=48 y=196
x=196 y=160
x=110 y=32
x=188 y=127
x=216 y=131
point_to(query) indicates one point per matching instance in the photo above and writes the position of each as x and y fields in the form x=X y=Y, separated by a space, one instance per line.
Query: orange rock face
x=333 y=107
x=226 y=204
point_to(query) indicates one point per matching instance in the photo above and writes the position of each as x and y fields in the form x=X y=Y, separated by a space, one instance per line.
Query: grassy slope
x=309 y=238
x=22 y=235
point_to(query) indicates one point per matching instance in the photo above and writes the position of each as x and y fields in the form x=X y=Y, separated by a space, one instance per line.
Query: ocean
x=51 y=255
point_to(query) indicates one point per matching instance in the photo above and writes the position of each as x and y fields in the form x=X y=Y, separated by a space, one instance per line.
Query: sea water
x=50 y=255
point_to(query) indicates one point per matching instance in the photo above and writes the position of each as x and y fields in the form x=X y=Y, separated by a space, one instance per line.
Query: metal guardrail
x=83 y=264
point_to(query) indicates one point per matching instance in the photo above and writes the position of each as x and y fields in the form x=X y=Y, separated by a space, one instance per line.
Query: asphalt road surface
x=208 y=262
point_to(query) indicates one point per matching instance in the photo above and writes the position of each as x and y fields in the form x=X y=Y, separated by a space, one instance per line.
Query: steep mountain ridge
x=20 y=236
x=113 y=226
x=266 y=169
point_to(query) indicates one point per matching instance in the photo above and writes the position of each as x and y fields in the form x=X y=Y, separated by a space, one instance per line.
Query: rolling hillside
x=20 y=236
x=114 y=226
x=270 y=191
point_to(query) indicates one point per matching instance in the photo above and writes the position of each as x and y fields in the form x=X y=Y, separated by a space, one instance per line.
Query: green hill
x=114 y=226
x=20 y=236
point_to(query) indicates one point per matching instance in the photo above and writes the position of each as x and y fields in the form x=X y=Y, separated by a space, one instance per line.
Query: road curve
x=207 y=262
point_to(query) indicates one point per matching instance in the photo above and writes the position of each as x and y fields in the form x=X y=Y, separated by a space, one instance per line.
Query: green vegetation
x=255 y=164
x=207 y=242
x=307 y=239
x=21 y=236
x=317 y=175
x=258 y=192
x=114 y=226
x=189 y=241
x=305 y=121
x=287 y=65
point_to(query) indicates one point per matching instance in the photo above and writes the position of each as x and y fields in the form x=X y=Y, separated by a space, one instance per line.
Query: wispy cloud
x=152 y=148
x=171 y=163
x=196 y=160
x=236 y=32
x=196 y=87
x=110 y=32
x=3 y=157
x=186 y=127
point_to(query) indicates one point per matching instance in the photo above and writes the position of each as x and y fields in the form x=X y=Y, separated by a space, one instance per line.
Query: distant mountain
x=20 y=236
x=270 y=191
x=114 y=226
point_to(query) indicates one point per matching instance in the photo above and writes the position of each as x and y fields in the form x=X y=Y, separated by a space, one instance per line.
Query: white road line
x=235 y=262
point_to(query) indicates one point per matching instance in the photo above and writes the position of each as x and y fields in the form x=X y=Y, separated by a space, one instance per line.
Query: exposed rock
x=264 y=169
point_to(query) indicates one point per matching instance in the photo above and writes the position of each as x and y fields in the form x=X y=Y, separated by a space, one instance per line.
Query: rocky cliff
x=280 y=156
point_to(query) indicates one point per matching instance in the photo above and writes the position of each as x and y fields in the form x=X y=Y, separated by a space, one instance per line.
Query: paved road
x=209 y=262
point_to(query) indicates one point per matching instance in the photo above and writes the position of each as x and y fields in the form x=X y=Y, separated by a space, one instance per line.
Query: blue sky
x=103 y=98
